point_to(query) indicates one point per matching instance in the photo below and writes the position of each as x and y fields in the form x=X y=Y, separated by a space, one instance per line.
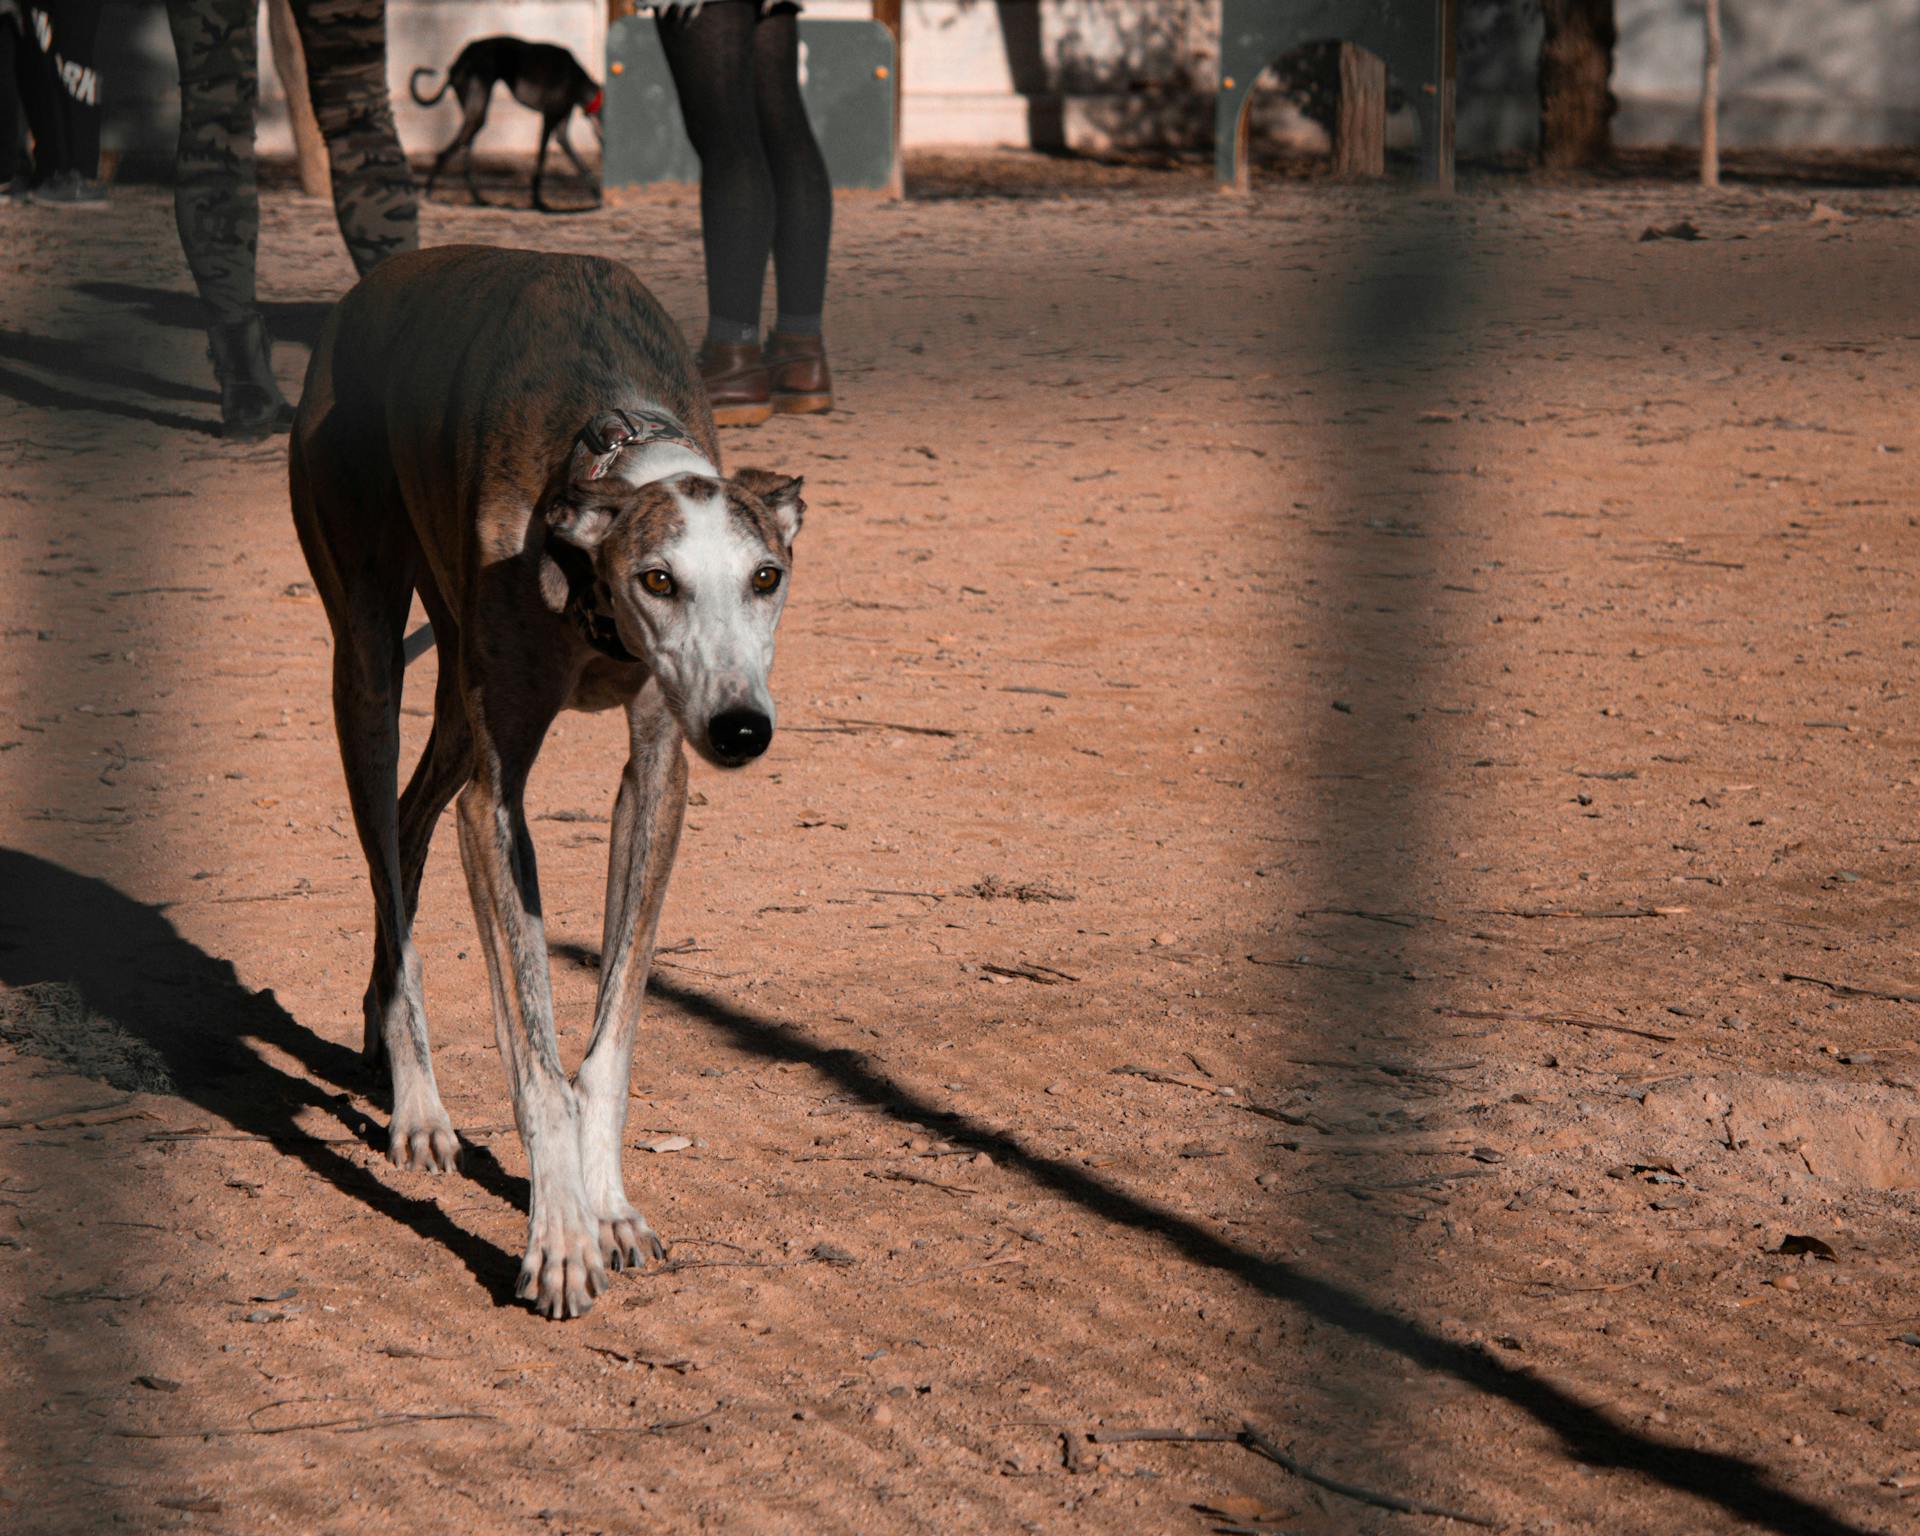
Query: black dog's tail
x=413 y=86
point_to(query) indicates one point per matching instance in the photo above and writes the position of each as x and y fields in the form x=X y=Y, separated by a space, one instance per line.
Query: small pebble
x=880 y=1413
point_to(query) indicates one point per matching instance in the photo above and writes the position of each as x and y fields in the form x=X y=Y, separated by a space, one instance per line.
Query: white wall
x=1832 y=72
x=430 y=34
x=1838 y=73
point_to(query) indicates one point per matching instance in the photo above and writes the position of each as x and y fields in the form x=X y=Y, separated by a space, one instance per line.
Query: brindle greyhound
x=523 y=440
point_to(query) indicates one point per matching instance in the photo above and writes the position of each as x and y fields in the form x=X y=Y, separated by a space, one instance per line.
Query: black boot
x=251 y=405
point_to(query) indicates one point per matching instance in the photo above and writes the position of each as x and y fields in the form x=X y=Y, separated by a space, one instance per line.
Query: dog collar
x=639 y=431
x=593 y=107
x=598 y=630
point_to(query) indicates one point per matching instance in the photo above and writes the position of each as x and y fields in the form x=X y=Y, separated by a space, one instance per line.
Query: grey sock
x=730 y=333
x=797 y=325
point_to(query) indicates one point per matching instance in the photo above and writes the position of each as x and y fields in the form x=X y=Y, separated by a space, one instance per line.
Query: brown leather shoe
x=797 y=367
x=737 y=383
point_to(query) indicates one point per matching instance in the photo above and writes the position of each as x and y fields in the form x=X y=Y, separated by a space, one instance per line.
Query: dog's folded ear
x=576 y=523
x=779 y=494
x=582 y=522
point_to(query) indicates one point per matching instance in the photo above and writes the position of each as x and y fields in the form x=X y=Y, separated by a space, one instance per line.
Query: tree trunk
x=1710 y=102
x=290 y=64
x=1576 y=62
x=1360 y=130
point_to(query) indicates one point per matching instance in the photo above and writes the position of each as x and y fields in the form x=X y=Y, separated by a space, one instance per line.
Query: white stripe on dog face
x=712 y=642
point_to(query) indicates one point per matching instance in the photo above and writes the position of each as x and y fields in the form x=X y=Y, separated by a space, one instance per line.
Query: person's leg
x=76 y=31
x=215 y=198
x=216 y=201
x=796 y=355
x=373 y=194
x=711 y=57
x=803 y=194
x=40 y=92
x=13 y=58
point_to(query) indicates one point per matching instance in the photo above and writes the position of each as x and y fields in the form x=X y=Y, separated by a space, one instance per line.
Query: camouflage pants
x=215 y=197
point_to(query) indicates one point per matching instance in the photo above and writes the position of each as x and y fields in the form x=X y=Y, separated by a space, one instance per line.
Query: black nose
x=739 y=734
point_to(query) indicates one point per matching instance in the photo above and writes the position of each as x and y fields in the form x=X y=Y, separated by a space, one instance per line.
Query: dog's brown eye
x=658 y=582
x=766 y=578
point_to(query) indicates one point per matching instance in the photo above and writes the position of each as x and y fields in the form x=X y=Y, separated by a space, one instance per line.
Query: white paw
x=422 y=1140
x=626 y=1241
x=563 y=1270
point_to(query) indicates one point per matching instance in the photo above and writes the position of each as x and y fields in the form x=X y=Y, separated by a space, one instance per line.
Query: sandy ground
x=1339 y=836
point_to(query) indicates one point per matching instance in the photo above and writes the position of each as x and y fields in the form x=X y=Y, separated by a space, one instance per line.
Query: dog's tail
x=418 y=644
x=413 y=86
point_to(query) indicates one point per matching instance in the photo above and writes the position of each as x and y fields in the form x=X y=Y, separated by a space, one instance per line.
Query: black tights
x=763 y=183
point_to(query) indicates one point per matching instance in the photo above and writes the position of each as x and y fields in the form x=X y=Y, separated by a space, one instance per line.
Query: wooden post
x=1360 y=129
x=1710 y=102
x=1449 y=72
x=290 y=64
x=889 y=14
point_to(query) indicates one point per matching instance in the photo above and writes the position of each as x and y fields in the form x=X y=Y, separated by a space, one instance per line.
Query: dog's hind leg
x=359 y=548
x=446 y=760
x=578 y=164
x=540 y=164
x=513 y=695
x=443 y=767
x=646 y=833
x=474 y=97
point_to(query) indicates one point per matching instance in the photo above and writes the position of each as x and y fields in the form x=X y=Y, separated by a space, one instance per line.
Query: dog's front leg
x=646 y=833
x=563 y=1270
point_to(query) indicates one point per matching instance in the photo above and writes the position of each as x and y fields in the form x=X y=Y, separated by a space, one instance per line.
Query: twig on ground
x=659 y=1428
x=1847 y=989
x=1258 y=1443
x=1155 y=1075
x=1046 y=975
x=1395 y=919
x=341 y=1426
x=1586 y=912
x=42 y=1122
x=901 y=1176
x=1253 y=1440
x=997 y=1257
x=1128 y=1436
x=1302 y=963
x=890 y=725
x=680 y=1367
x=1576 y=1020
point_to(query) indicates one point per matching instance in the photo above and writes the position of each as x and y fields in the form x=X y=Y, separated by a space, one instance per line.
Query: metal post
x=888 y=14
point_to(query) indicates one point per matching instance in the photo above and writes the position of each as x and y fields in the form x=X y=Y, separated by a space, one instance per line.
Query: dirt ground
x=1338 y=860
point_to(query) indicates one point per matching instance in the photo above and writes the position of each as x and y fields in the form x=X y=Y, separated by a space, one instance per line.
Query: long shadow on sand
x=1586 y=1433
x=134 y=970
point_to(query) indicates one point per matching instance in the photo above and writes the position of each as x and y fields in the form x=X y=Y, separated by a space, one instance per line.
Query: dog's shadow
x=181 y=1021
x=295 y=320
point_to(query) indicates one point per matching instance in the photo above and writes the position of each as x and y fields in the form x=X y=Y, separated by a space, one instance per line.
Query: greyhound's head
x=692 y=571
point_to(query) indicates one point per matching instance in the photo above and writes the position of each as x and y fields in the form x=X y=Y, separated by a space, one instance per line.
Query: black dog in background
x=541 y=76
